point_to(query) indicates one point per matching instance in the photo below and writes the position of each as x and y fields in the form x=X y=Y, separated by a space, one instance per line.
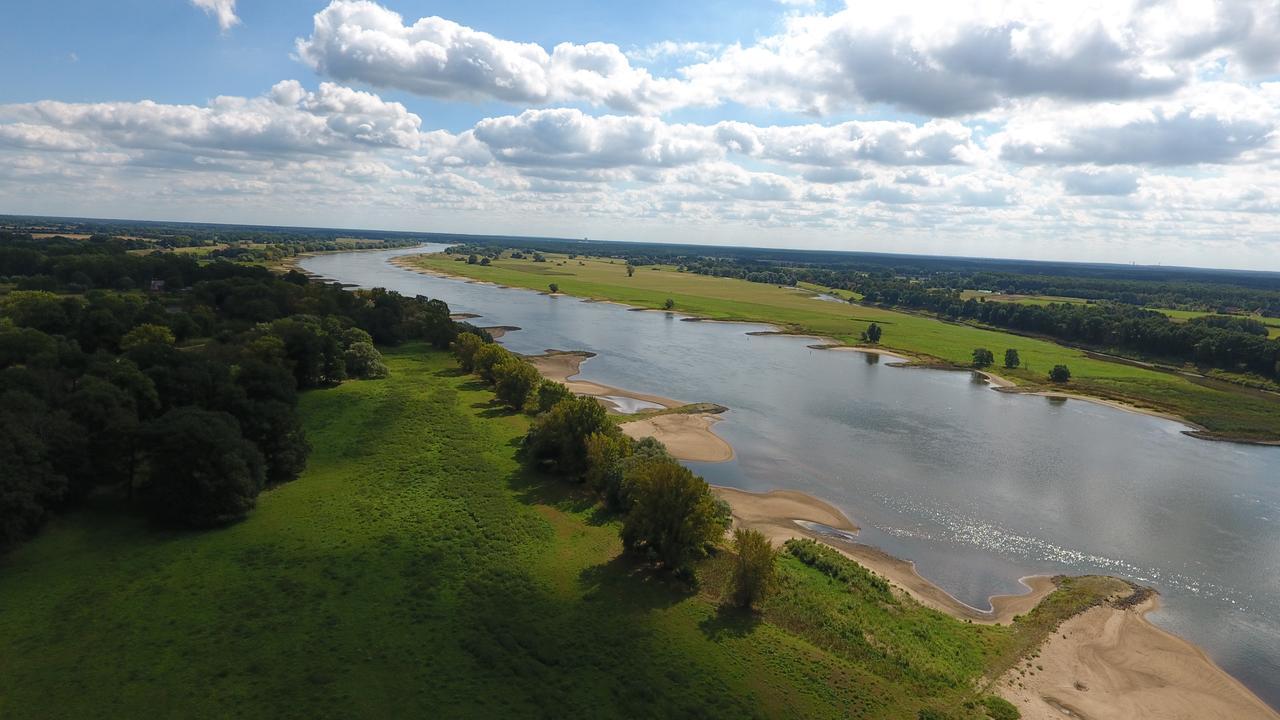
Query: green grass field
x=1219 y=408
x=415 y=570
x=1273 y=324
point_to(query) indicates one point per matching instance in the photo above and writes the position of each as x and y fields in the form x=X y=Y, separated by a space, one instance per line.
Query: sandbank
x=1111 y=663
x=687 y=435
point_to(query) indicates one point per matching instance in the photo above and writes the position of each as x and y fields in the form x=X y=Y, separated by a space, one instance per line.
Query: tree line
x=1229 y=342
x=670 y=516
x=180 y=401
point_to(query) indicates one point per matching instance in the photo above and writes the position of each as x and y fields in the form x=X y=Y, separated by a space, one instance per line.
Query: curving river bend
x=977 y=487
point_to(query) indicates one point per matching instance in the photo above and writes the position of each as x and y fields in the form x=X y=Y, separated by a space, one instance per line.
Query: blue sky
x=1118 y=131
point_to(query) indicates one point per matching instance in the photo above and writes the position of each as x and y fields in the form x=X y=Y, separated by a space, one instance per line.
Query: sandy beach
x=1112 y=664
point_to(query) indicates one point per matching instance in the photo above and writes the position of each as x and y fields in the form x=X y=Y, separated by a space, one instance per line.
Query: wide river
x=978 y=487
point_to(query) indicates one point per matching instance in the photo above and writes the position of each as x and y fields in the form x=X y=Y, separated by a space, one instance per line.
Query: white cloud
x=935 y=58
x=223 y=10
x=290 y=120
x=1212 y=123
x=1099 y=181
x=357 y=40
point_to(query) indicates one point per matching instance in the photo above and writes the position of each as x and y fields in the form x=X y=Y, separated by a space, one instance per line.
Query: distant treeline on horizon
x=658 y=252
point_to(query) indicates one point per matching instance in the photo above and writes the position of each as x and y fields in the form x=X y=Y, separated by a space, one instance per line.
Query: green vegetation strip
x=1224 y=411
x=415 y=569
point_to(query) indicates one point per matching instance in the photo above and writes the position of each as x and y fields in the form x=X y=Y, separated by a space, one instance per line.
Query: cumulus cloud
x=1216 y=123
x=289 y=120
x=357 y=40
x=938 y=59
x=1094 y=181
x=224 y=11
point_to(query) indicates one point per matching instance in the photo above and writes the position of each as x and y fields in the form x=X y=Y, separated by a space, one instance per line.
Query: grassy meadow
x=415 y=569
x=1220 y=408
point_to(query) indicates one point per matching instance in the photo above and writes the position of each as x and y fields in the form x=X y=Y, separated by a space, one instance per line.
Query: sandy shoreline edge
x=1107 y=663
x=687 y=435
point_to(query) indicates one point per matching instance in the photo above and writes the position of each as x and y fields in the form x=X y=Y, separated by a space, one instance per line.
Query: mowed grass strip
x=1222 y=410
x=415 y=570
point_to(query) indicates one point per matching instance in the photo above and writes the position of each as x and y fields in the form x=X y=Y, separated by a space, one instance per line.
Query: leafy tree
x=465 y=347
x=754 y=570
x=557 y=439
x=29 y=483
x=484 y=261
x=472 y=259
x=672 y=515
x=200 y=471
x=669 y=304
x=605 y=453
x=514 y=380
x=631 y=269
x=486 y=358
x=982 y=357
x=39 y=309
x=546 y=395
x=109 y=416
x=1060 y=374
x=617 y=491
x=872 y=334
x=145 y=334
x=1011 y=359
x=364 y=361
x=554 y=288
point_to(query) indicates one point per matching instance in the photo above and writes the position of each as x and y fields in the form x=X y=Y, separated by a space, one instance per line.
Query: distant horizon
x=1118 y=131
x=570 y=238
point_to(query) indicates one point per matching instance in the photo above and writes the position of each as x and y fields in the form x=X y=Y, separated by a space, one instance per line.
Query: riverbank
x=1223 y=414
x=1107 y=663
x=688 y=435
x=1111 y=663
x=560 y=302
x=779 y=514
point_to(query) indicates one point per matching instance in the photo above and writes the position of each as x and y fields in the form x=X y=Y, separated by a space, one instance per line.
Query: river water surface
x=978 y=487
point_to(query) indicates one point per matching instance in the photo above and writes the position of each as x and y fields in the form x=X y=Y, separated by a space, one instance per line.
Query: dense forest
x=168 y=383
x=1112 y=314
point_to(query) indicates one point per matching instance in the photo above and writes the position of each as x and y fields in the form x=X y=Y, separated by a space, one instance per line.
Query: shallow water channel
x=977 y=487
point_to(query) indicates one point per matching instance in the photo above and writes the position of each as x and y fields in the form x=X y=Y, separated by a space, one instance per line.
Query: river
x=978 y=487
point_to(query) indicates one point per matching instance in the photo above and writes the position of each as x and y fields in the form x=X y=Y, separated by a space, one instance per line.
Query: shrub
x=1011 y=359
x=872 y=333
x=514 y=379
x=465 y=347
x=1060 y=374
x=605 y=454
x=831 y=563
x=486 y=358
x=982 y=357
x=546 y=395
x=1000 y=709
x=754 y=571
x=364 y=361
